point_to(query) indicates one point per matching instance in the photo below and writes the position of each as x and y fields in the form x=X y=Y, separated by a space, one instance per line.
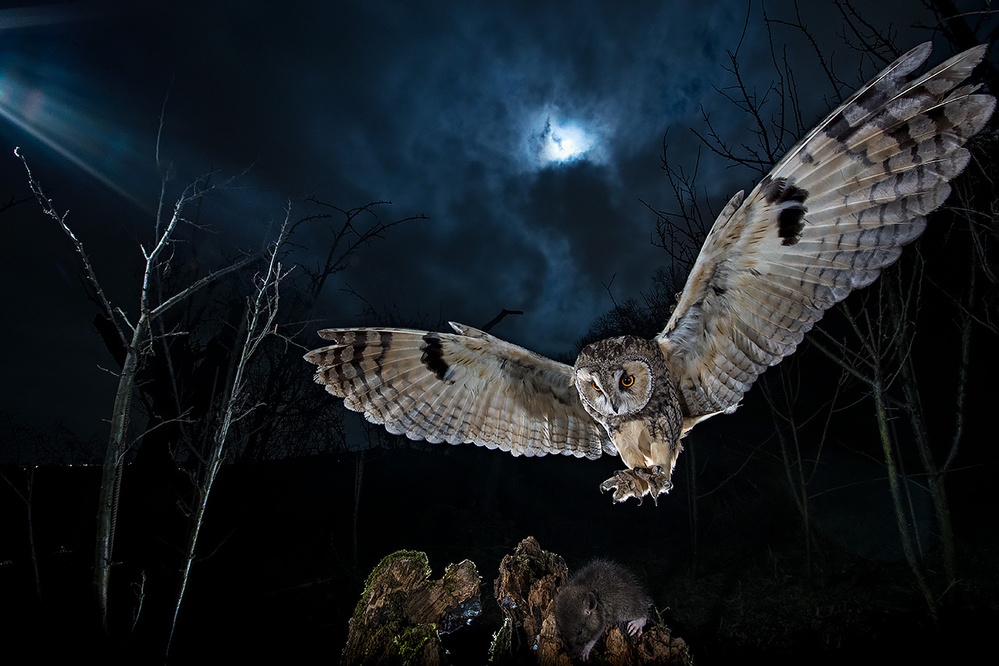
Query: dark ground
x=278 y=578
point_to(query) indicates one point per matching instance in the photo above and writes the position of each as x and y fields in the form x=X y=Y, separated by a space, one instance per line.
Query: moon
x=562 y=141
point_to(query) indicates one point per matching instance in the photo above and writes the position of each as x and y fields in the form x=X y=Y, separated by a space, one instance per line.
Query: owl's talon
x=659 y=481
x=638 y=483
x=631 y=483
x=625 y=484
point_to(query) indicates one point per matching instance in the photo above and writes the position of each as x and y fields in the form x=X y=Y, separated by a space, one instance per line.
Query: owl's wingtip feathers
x=863 y=181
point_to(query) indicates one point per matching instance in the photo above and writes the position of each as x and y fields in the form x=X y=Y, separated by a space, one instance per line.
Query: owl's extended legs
x=626 y=483
x=659 y=481
x=641 y=481
x=638 y=483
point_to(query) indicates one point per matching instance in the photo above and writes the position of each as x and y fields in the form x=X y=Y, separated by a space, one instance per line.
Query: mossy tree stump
x=402 y=613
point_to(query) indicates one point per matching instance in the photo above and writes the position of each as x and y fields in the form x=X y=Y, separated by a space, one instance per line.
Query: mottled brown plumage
x=831 y=214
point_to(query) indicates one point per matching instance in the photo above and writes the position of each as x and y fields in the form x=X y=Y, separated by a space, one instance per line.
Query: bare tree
x=258 y=323
x=27 y=498
x=293 y=418
x=213 y=382
x=800 y=460
x=136 y=340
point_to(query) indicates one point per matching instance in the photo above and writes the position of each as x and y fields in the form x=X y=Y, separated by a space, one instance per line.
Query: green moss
x=502 y=638
x=418 y=556
x=412 y=640
x=402 y=643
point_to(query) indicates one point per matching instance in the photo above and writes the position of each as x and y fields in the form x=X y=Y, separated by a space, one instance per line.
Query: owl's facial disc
x=634 y=385
x=615 y=390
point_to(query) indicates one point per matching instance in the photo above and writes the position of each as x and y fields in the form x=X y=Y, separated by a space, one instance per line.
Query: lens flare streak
x=61 y=126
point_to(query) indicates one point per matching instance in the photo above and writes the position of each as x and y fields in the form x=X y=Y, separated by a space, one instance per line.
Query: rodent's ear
x=589 y=603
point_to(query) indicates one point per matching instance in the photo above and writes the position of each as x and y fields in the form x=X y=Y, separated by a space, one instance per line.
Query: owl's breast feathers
x=633 y=442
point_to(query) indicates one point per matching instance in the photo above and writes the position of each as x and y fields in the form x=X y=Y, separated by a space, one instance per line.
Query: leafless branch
x=49 y=210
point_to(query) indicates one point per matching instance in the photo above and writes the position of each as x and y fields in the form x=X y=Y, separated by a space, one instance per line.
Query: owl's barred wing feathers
x=835 y=211
x=468 y=387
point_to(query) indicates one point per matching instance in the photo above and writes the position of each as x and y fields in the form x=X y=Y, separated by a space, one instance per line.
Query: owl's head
x=617 y=376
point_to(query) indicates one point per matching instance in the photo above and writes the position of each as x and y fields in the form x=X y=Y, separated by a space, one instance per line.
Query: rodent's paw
x=635 y=626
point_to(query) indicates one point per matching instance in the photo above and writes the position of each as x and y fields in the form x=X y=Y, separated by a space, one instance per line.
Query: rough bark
x=402 y=613
x=525 y=591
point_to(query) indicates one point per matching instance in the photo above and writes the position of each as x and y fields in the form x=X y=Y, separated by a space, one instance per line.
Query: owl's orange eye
x=627 y=381
x=595 y=387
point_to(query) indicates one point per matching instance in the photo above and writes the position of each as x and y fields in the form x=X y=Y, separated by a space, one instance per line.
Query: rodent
x=596 y=597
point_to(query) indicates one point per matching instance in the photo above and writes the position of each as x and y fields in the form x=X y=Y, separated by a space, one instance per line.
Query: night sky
x=529 y=134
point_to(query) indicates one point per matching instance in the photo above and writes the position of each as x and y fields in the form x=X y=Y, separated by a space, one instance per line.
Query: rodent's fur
x=599 y=595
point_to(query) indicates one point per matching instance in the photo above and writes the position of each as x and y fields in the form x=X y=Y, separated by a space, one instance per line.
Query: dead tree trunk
x=402 y=613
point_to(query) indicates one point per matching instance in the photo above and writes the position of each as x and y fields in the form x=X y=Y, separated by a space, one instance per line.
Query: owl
x=830 y=215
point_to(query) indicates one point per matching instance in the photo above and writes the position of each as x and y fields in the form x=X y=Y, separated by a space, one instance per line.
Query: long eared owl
x=830 y=215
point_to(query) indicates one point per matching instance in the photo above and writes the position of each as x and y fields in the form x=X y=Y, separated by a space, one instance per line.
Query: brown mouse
x=596 y=597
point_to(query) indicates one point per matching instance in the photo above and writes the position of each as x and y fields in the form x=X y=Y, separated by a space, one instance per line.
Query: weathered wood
x=525 y=590
x=402 y=613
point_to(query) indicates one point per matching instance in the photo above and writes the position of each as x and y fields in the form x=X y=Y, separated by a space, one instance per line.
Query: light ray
x=52 y=105
x=52 y=118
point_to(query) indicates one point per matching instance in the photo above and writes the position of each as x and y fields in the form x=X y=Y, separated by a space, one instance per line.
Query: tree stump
x=525 y=591
x=402 y=613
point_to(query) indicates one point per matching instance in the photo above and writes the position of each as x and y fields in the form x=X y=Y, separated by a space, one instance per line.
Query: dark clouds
x=437 y=107
x=459 y=97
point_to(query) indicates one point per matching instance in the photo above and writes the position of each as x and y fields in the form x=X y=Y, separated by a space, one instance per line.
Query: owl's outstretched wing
x=468 y=387
x=834 y=212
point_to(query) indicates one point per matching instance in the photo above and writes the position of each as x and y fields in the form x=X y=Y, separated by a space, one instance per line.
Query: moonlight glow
x=562 y=142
